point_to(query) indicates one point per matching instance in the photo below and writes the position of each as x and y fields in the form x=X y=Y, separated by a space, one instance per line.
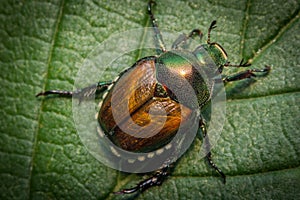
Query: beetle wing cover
x=133 y=118
x=133 y=89
x=152 y=126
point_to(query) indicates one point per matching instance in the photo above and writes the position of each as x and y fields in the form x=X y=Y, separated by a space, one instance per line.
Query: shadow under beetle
x=158 y=92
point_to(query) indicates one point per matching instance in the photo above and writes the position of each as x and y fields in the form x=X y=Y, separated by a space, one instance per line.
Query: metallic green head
x=211 y=52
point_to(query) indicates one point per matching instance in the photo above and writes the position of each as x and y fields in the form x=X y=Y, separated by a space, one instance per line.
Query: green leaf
x=41 y=44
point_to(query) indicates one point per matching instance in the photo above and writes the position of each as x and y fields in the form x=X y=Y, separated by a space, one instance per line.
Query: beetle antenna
x=211 y=27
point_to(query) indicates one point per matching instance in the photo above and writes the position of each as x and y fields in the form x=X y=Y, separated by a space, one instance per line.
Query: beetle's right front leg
x=246 y=74
x=81 y=94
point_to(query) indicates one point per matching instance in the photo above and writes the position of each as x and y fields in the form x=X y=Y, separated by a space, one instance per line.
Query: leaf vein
x=280 y=33
x=34 y=146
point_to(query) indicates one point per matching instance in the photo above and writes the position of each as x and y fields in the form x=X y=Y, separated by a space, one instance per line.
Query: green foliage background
x=41 y=155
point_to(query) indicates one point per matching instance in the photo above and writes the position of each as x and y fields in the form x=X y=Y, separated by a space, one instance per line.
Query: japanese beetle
x=159 y=75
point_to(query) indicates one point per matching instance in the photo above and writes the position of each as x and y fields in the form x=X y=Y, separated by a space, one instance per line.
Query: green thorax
x=187 y=80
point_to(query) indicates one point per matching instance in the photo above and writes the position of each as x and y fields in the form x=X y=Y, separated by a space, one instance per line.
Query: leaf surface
x=41 y=44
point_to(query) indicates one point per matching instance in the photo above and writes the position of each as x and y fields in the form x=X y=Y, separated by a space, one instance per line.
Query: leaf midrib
x=40 y=110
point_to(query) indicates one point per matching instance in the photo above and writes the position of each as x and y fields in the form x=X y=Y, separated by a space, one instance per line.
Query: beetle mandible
x=178 y=63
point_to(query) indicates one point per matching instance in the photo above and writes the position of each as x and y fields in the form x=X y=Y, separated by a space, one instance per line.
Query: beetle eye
x=220 y=48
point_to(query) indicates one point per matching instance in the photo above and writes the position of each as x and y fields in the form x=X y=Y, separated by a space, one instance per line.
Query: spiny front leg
x=183 y=38
x=245 y=74
x=157 y=35
x=155 y=180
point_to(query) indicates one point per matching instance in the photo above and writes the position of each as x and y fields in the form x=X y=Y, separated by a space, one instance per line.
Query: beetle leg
x=81 y=94
x=155 y=180
x=160 y=46
x=245 y=74
x=206 y=142
x=183 y=38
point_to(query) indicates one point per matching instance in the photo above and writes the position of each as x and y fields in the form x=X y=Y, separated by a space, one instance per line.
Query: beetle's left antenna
x=160 y=46
x=211 y=27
